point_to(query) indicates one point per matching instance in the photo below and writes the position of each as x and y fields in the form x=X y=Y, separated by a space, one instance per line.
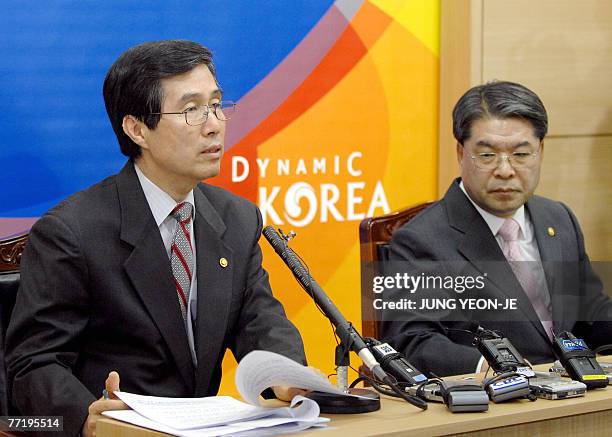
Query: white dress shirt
x=162 y=204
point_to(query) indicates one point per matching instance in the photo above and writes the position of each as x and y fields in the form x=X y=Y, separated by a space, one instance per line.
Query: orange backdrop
x=343 y=134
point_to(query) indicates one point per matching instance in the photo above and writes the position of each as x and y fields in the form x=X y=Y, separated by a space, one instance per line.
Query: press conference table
x=587 y=415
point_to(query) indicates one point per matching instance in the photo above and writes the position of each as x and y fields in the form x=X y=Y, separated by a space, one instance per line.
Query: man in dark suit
x=149 y=274
x=522 y=251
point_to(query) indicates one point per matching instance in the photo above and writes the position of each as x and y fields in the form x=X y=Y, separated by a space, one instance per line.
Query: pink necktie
x=524 y=273
x=181 y=257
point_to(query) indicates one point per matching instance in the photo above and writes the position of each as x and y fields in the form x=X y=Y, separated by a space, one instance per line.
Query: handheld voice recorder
x=579 y=361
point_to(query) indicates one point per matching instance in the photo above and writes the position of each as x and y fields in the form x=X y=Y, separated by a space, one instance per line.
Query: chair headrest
x=9 y=284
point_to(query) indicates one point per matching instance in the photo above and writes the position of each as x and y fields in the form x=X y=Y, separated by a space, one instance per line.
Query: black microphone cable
x=395 y=391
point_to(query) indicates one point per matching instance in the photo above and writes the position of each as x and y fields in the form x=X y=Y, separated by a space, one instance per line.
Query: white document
x=189 y=413
x=259 y=370
x=258 y=427
x=223 y=415
x=274 y=424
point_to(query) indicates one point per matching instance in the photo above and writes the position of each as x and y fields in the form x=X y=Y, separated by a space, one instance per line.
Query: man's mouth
x=504 y=190
x=215 y=148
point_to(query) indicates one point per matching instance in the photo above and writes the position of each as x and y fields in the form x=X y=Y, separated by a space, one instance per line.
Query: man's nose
x=504 y=169
x=212 y=124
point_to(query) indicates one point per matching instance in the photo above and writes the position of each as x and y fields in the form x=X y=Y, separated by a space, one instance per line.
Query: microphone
x=344 y=329
x=395 y=363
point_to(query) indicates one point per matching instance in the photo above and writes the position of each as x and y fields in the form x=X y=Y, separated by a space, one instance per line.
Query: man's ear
x=136 y=130
x=459 y=153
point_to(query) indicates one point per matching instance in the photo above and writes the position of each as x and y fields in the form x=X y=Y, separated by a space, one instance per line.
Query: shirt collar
x=160 y=202
x=494 y=222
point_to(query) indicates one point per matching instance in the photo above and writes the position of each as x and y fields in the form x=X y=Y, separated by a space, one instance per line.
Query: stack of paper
x=223 y=415
x=216 y=415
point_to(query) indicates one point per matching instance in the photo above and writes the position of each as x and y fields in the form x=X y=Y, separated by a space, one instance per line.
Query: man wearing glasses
x=531 y=276
x=149 y=275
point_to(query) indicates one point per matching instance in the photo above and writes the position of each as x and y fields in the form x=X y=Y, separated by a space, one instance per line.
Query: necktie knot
x=509 y=230
x=182 y=211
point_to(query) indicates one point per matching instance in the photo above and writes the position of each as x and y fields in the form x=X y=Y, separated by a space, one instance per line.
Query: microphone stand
x=347 y=334
x=343 y=362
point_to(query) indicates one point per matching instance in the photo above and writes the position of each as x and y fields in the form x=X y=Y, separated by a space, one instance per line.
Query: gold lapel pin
x=223 y=262
x=551 y=231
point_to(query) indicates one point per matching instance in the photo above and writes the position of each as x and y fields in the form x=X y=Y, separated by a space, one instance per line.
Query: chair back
x=374 y=235
x=10 y=259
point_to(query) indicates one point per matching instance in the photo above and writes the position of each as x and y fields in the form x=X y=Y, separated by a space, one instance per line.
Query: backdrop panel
x=336 y=121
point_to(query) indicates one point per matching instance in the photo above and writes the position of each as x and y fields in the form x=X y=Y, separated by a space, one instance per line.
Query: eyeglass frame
x=220 y=104
x=501 y=156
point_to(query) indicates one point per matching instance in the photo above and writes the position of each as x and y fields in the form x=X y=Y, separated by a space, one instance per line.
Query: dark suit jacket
x=97 y=295
x=451 y=238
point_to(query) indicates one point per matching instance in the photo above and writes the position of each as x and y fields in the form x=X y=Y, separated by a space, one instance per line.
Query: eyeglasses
x=492 y=160
x=197 y=115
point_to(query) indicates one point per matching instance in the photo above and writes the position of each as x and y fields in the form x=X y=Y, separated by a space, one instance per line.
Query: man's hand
x=285 y=393
x=96 y=408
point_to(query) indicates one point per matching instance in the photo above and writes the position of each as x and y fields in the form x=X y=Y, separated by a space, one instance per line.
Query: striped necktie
x=181 y=257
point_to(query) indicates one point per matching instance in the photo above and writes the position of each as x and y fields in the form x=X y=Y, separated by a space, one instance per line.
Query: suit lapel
x=215 y=273
x=481 y=249
x=148 y=268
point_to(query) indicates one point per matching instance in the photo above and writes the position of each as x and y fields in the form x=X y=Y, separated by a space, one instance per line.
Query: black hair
x=498 y=99
x=133 y=83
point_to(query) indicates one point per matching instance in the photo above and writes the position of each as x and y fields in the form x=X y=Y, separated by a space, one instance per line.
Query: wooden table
x=587 y=415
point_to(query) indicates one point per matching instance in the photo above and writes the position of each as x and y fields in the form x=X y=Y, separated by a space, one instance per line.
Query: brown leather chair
x=10 y=258
x=374 y=236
